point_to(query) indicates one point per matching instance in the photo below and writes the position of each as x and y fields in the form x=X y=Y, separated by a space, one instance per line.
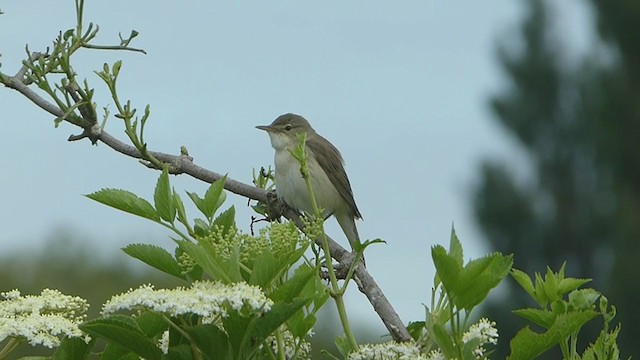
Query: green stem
x=281 y=346
x=9 y=347
x=336 y=291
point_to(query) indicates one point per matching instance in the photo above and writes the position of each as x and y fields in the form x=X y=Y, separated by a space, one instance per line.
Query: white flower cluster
x=41 y=319
x=388 y=351
x=208 y=299
x=485 y=331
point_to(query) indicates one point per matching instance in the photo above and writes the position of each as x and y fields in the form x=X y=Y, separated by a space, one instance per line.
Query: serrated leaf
x=569 y=284
x=214 y=197
x=524 y=280
x=583 y=299
x=155 y=257
x=468 y=286
x=540 y=317
x=123 y=331
x=455 y=248
x=265 y=269
x=226 y=220
x=478 y=277
x=163 y=198
x=528 y=344
x=125 y=201
x=198 y=202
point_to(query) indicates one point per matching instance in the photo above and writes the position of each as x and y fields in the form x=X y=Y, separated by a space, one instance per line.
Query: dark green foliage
x=579 y=124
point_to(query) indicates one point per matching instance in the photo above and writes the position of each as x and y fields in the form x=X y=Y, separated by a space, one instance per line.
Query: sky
x=401 y=90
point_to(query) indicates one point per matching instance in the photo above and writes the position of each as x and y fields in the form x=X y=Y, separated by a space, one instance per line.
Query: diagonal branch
x=183 y=164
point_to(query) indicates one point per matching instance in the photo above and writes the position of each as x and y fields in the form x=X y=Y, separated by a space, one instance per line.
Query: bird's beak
x=267 y=128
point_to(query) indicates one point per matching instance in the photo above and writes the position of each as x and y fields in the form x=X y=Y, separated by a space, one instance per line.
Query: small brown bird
x=326 y=170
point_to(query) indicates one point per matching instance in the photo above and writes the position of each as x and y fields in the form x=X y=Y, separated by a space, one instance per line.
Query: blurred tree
x=579 y=124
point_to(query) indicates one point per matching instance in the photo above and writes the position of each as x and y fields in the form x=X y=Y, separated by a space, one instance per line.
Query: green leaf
x=468 y=286
x=214 y=197
x=265 y=269
x=455 y=248
x=478 y=277
x=278 y=315
x=194 y=273
x=343 y=345
x=224 y=270
x=116 y=352
x=181 y=212
x=151 y=324
x=226 y=220
x=163 y=198
x=180 y=352
x=73 y=349
x=583 y=299
x=550 y=285
x=239 y=330
x=528 y=344
x=446 y=266
x=292 y=288
x=443 y=340
x=125 y=201
x=569 y=284
x=416 y=328
x=524 y=280
x=210 y=340
x=125 y=332
x=540 y=317
x=300 y=325
x=156 y=257
x=198 y=202
x=200 y=227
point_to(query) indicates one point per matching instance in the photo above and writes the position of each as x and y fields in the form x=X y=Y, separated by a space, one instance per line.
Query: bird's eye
x=288 y=127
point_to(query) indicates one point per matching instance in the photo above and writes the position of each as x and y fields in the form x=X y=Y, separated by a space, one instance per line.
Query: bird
x=329 y=179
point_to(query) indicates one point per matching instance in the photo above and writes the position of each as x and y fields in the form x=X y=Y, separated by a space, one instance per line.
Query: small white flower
x=388 y=351
x=163 y=343
x=208 y=299
x=435 y=355
x=485 y=332
x=41 y=319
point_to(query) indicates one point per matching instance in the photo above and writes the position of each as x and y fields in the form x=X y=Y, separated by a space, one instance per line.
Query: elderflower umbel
x=388 y=351
x=208 y=299
x=485 y=331
x=41 y=319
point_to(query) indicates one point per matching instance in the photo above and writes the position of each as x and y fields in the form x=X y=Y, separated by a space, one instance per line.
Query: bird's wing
x=332 y=164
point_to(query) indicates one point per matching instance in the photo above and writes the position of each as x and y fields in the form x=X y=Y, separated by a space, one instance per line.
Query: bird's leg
x=275 y=206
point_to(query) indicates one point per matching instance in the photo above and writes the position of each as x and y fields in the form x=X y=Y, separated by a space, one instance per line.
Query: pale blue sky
x=401 y=89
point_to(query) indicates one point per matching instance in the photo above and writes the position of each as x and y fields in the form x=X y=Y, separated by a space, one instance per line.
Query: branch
x=183 y=164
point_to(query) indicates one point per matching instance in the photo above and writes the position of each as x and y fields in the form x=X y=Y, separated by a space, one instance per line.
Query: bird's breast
x=291 y=187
